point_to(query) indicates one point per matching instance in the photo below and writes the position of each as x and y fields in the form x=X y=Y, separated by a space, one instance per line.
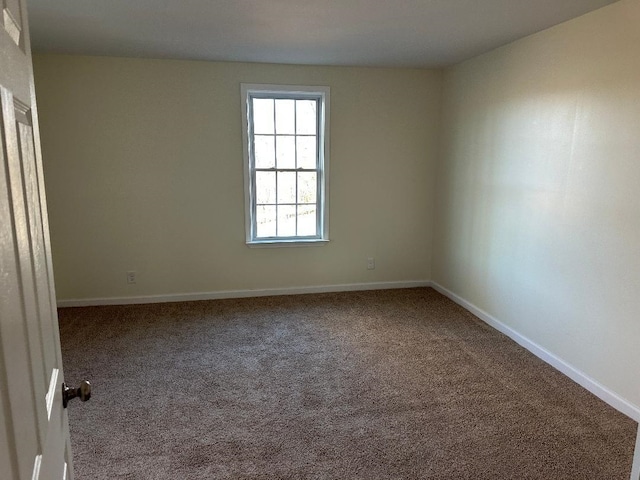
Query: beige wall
x=538 y=204
x=143 y=168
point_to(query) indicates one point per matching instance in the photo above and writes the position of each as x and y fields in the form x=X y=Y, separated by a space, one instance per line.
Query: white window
x=286 y=157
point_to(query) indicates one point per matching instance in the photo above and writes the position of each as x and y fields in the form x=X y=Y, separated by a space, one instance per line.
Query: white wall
x=143 y=168
x=538 y=203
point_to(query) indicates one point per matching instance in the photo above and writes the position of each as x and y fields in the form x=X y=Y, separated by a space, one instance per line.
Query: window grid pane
x=285 y=151
x=285 y=171
x=263 y=115
x=264 y=151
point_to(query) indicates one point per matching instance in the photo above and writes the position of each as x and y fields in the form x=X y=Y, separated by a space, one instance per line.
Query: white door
x=34 y=432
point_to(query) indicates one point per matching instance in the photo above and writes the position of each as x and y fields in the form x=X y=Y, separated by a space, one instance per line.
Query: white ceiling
x=396 y=33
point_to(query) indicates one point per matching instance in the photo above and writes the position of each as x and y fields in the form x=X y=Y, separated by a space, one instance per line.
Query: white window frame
x=322 y=93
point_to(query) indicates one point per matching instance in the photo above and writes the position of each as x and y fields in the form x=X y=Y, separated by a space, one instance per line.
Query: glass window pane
x=306 y=117
x=307 y=225
x=262 y=116
x=286 y=152
x=266 y=221
x=307 y=187
x=286 y=220
x=264 y=151
x=285 y=116
x=265 y=187
x=286 y=187
x=306 y=152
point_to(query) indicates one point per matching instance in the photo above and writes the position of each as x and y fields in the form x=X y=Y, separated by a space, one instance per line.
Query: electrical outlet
x=131 y=277
x=371 y=263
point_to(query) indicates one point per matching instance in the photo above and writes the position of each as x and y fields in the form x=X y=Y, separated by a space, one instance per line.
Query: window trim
x=248 y=91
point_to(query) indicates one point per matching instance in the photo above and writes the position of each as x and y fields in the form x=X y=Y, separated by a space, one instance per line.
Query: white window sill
x=320 y=242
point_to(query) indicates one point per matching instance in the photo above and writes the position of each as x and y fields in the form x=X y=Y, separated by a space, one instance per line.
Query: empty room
x=247 y=239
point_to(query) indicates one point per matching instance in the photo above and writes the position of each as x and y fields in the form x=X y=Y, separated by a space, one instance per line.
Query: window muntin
x=286 y=140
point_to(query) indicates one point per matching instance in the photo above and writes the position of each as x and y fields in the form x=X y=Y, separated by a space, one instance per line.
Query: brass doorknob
x=83 y=392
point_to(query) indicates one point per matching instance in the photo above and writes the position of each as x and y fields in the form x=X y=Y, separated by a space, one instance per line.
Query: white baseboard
x=266 y=292
x=570 y=371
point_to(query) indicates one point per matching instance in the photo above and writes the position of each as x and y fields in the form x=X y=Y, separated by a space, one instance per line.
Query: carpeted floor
x=400 y=384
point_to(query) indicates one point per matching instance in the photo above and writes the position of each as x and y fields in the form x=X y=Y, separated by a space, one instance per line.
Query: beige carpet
x=397 y=384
